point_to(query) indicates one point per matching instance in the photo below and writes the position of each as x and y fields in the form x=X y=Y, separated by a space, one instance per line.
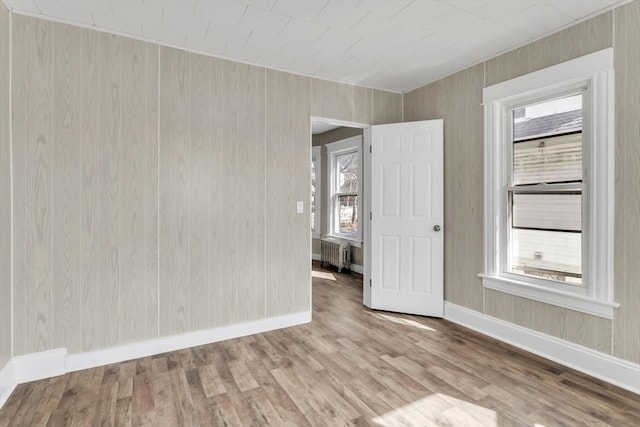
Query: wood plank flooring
x=350 y=366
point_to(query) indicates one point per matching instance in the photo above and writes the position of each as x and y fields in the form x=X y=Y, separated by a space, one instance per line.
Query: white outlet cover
x=300 y=207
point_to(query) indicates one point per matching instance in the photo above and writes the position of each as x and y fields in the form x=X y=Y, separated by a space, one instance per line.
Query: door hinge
x=371 y=149
x=371 y=215
x=369 y=282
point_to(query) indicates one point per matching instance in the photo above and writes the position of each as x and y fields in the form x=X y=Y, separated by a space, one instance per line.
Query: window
x=544 y=195
x=549 y=185
x=344 y=188
x=316 y=191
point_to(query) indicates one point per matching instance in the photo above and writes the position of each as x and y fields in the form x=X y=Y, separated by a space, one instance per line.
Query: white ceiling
x=396 y=45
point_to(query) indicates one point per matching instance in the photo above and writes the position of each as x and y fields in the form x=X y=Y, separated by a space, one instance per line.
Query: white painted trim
x=7 y=380
x=568 y=300
x=76 y=362
x=37 y=366
x=334 y=149
x=356 y=268
x=611 y=369
x=316 y=257
x=556 y=76
x=46 y=364
x=30 y=367
x=316 y=154
x=366 y=223
x=593 y=75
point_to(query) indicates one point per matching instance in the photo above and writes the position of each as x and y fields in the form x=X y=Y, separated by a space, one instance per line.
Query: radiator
x=336 y=253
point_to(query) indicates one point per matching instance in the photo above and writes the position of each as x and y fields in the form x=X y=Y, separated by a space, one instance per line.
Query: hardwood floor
x=350 y=366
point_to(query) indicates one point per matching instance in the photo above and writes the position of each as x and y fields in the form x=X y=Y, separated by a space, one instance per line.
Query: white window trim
x=594 y=71
x=316 y=155
x=333 y=149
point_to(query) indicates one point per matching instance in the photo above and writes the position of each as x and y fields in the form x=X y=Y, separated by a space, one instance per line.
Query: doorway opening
x=338 y=199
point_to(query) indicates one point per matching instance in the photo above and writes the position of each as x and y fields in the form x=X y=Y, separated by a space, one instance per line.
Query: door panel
x=407 y=203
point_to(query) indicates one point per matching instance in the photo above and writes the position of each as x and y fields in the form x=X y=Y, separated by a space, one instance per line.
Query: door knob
x=436 y=228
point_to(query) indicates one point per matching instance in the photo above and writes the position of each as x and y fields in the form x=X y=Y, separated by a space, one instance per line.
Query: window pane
x=347 y=169
x=548 y=160
x=560 y=212
x=548 y=142
x=552 y=255
x=348 y=214
x=553 y=117
x=545 y=235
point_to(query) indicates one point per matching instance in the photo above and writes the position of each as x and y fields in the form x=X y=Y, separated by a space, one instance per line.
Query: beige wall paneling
x=340 y=101
x=457 y=99
x=287 y=181
x=84 y=191
x=174 y=191
x=19 y=126
x=590 y=331
x=315 y=246
x=386 y=107
x=212 y=192
x=5 y=189
x=626 y=325
x=33 y=204
x=334 y=135
x=109 y=189
x=222 y=228
x=581 y=39
x=198 y=167
x=66 y=184
x=138 y=187
x=88 y=286
x=244 y=148
x=421 y=102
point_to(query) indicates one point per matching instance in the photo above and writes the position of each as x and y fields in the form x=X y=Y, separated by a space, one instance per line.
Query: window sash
x=506 y=256
x=334 y=151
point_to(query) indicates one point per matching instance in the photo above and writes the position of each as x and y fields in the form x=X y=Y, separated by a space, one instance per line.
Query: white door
x=407 y=230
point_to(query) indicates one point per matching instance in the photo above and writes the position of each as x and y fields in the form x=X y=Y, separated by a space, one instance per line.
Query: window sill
x=568 y=300
x=355 y=242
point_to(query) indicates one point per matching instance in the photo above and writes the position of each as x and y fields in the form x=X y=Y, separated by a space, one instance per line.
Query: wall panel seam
x=264 y=206
x=158 y=195
x=11 y=191
x=52 y=94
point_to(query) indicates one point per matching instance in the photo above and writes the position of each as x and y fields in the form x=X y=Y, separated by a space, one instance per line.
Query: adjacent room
x=320 y=212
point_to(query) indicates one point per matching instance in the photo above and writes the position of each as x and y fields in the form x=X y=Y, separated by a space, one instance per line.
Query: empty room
x=320 y=212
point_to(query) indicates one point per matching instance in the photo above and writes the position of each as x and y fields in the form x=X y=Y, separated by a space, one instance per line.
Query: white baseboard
x=35 y=366
x=600 y=365
x=30 y=367
x=7 y=382
x=76 y=362
x=316 y=257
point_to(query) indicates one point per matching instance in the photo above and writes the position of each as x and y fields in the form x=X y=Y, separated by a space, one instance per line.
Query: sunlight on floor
x=439 y=409
x=401 y=321
x=323 y=275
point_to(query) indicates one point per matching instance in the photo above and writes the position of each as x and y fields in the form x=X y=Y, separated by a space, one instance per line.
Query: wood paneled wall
x=288 y=235
x=5 y=188
x=85 y=179
x=155 y=190
x=626 y=324
x=457 y=100
x=212 y=192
